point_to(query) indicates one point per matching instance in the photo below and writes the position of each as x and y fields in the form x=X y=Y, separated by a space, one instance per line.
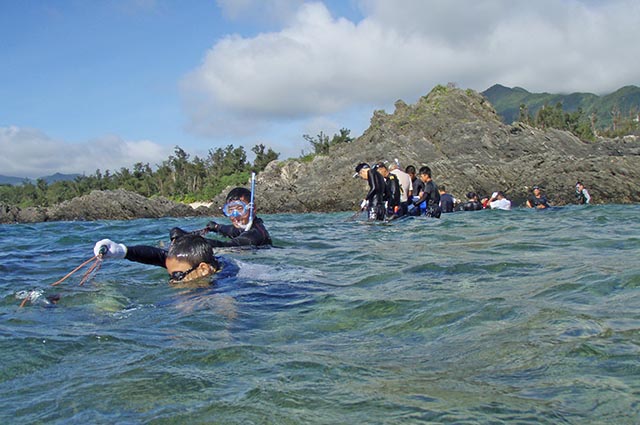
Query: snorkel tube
x=251 y=204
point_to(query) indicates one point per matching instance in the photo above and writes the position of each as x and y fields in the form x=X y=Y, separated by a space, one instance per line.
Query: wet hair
x=361 y=166
x=425 y=170
x=239 y=193
x=193 y=249
x=410 y=169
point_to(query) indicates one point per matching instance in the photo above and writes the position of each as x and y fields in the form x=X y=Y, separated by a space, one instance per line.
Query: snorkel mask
x=236 y=209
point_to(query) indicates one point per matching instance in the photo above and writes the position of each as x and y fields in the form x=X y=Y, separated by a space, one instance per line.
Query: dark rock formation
x=102 y=205
x=458 y=134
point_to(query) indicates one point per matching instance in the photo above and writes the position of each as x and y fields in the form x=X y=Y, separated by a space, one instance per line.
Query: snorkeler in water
x=188 y=258
x=246 y=229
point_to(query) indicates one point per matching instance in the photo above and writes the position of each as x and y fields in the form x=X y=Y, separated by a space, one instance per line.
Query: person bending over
x=188 y=258
x=374 y=201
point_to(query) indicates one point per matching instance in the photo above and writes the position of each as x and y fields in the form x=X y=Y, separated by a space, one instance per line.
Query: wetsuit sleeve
x=256 y=236
x=147 y=255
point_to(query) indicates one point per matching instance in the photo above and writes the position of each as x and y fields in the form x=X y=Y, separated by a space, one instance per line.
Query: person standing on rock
x=374 y=201
x=430 y=194
x=582 y=194
x=537 y=199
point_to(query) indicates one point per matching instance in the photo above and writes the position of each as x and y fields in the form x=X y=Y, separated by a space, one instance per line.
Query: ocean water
x=480 y=317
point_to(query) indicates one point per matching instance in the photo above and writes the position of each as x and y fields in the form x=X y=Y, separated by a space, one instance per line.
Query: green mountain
x=49 y=179
x=507 y=102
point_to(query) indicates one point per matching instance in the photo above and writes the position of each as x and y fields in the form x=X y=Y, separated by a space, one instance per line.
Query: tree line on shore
x=179 y=177
x=582 y=125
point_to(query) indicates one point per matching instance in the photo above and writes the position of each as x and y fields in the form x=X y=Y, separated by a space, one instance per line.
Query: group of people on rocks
x=394 y=193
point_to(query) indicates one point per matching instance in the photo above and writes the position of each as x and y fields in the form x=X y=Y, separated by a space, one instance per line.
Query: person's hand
x=175 y=233
x=364 y=204
x=213 y=226
x=113 y=250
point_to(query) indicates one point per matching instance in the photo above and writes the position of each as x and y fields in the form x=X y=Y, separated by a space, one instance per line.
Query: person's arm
x=106 y=248
x=147 y=255
x=587 y=197
x=256 y=236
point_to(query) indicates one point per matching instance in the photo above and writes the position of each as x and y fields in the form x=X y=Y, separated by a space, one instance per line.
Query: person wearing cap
x=406 y=186
x=499 y=202
x=582 y=194
x=374 y=201
x=472 y=204
x=392 y=191
x=537 y=199
x=430 y=194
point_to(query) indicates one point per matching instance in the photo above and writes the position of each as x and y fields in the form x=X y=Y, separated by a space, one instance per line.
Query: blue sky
x=105 y=84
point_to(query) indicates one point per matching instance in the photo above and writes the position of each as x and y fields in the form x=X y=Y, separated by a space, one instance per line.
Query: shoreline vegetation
x=456 y=132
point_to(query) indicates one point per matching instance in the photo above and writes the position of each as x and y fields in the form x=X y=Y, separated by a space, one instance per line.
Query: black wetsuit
x=542 y=200
x=376 y=194
x=392 y=193
x=256 y=236
x=446 y=203
x=431 y=195
x=472 y=205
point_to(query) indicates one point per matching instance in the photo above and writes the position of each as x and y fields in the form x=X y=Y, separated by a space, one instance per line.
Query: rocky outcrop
x=458 y=134
x=102 y=205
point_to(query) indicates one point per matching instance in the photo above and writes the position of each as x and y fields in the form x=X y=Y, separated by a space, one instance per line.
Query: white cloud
x=321 y=66
x=31 y=153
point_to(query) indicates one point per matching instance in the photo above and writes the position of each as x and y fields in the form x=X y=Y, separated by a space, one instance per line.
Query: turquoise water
x=480 y=317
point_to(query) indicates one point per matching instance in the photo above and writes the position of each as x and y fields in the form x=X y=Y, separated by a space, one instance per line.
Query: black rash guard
x=542 y=200
x=431 y=195
x=377 y=188
x=147 y=255
x=393 y=191
x=256 y=236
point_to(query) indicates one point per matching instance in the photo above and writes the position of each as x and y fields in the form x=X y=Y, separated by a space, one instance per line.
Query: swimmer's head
x=190 y=257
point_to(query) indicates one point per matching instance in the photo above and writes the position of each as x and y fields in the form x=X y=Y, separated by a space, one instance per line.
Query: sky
x=88 y=85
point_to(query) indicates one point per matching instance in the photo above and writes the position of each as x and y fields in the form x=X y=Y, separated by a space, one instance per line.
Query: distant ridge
x=507 y=102
x=49 y=179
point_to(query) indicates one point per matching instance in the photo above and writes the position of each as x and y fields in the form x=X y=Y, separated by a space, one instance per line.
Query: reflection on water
x=480 y=317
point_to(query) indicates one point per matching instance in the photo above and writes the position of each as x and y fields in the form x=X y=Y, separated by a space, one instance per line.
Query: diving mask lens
x=180 y=275
x=235 y=209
